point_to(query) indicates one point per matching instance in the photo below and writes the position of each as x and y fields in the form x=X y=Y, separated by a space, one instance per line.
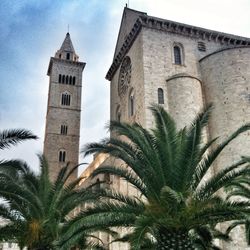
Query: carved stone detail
x=124 y=76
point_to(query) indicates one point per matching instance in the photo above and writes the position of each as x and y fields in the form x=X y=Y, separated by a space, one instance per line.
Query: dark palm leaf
x=14 y=136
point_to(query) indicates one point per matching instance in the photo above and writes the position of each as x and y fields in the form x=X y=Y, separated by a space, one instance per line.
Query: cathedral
x=181 y=67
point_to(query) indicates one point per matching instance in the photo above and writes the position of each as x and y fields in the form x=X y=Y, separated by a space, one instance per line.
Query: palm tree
x=36 y=208
x=167 y=166
x=240 y=188
x=14 y=136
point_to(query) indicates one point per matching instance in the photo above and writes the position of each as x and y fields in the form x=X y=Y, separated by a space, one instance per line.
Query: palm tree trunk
x=174 y=239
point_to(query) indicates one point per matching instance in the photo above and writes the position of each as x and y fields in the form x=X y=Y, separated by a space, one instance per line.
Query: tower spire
x=67 y=44
x=67 y=51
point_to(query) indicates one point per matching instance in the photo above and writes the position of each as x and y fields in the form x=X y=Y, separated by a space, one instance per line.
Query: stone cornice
x=54 y=59
x=124 y=49
x=176 y=28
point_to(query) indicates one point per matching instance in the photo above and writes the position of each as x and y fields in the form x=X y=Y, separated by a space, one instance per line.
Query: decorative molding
x=176 y=28
x=54 y=59
x=182 y=75
x=221 y=50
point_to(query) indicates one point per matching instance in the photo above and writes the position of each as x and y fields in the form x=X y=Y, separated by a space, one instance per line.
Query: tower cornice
x=176 y=28
x=63 y=61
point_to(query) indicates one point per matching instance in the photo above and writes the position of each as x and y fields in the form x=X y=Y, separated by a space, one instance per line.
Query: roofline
x=176 y=28
x=124 y=10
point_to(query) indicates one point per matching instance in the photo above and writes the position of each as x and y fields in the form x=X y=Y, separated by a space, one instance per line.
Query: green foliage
x=37 y=209
x=169 y=168
x=240 y=188
x=14 y=136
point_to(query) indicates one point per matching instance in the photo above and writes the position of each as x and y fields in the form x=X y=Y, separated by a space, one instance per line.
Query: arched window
x=74 y=80
x=65 y=100
x=67 y=79
x=60 y=78
x=118 y=113
x=131 y=103
x=160 y=96
x=70 y=80
x=177 y=55
x=64 y=129
x=68 y=56
x=62 y=155
x=63 y=79
x=60 y=55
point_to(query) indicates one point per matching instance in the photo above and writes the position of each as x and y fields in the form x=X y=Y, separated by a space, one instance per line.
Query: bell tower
x=62 y=132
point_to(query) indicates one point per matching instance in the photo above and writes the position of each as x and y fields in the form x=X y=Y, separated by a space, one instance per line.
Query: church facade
x=181 y=67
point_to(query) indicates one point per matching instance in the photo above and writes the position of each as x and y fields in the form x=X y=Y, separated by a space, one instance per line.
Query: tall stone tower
x=62 y=133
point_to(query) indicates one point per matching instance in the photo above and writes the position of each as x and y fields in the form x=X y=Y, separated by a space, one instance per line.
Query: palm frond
x=14 y=136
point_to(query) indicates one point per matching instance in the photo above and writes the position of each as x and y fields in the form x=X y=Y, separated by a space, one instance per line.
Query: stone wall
x=226 y=77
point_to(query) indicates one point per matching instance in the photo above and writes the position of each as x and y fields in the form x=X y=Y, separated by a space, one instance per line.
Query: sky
x=31 y=31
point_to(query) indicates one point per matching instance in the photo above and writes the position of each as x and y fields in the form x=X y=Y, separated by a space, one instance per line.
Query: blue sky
x=32 y=31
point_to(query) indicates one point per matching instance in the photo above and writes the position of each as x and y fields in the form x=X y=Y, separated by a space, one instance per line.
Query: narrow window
x=63 y=79
x=60 y=56
x=131 y=104
x=160 y=96
x=118 y=113
x=64 y=129
x=60 y=78
x=68 y=56
x=70 y=80
x=62 y=156
x=67 y=79
x=65 y=100
x=177 y=55
x=74 y=80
